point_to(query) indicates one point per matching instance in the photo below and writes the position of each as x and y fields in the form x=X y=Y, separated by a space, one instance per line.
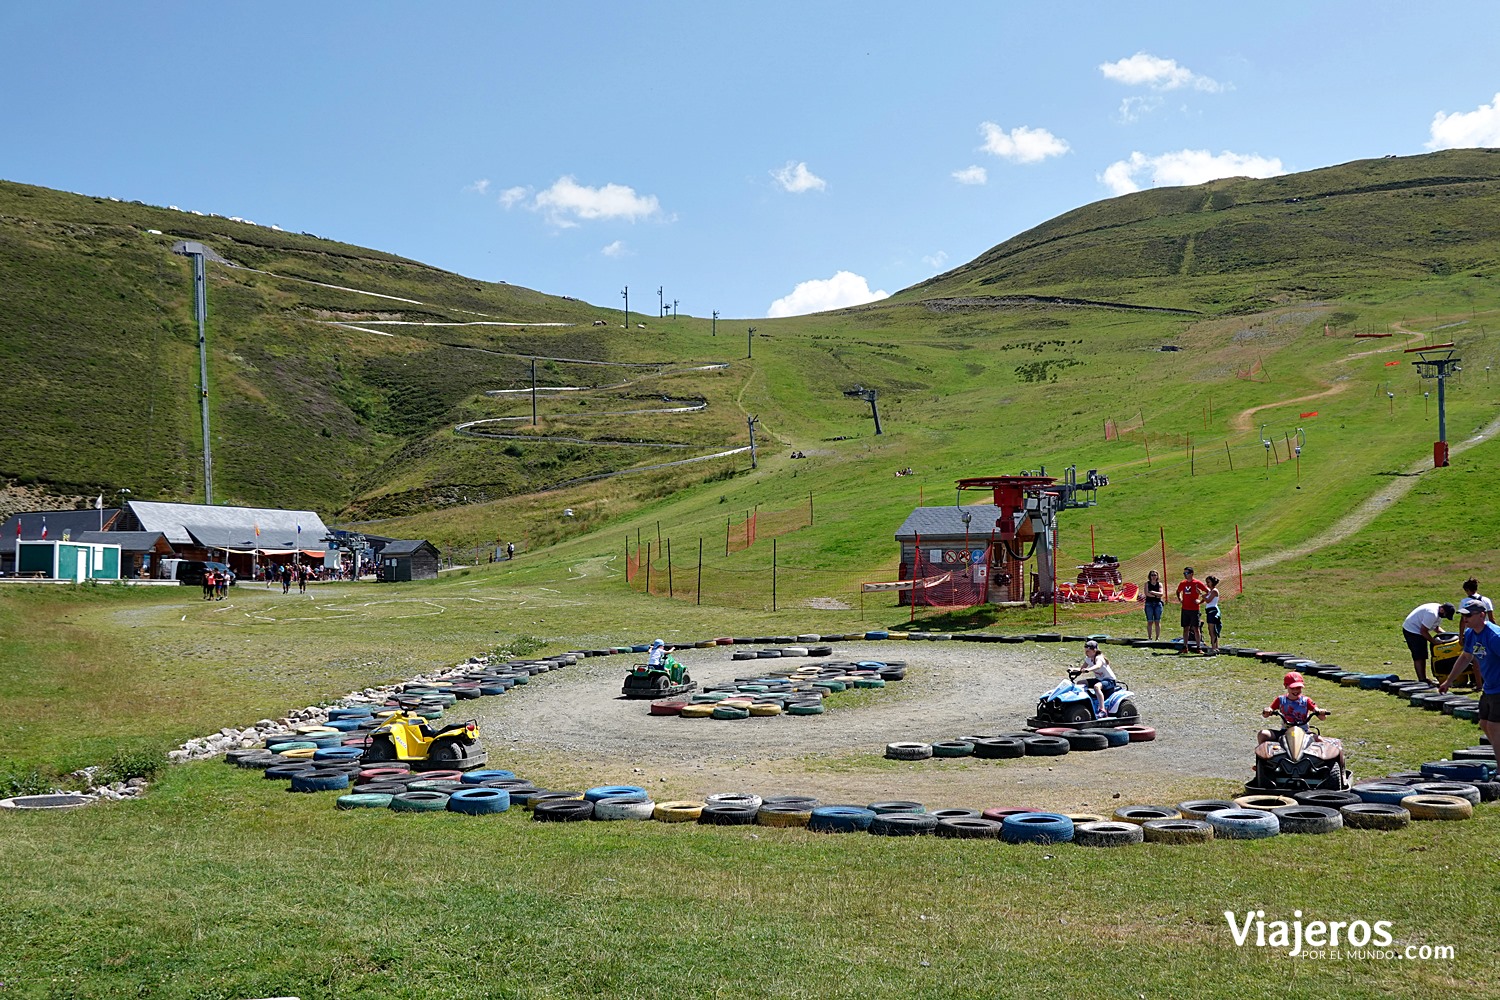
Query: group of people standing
x=1199 y=600
x=287 y=573
x=215 y=585
x=1421 y=628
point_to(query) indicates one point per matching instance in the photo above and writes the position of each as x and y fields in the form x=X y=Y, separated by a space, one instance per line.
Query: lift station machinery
x=1027 y=523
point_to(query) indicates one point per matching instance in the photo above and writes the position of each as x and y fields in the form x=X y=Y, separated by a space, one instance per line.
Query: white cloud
x=1186 y=166
x=843 y=289
x=936 y=260
x=615 y=249
x=1467 y=129
x=513 y=196
x=796 y=178
x=971 y=175
x=1021 y=144
x=481 y=186
x=1144 y=69
x=567 y=201
x=1133 y=109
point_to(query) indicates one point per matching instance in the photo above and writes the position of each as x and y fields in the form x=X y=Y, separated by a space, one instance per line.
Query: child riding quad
x=1101 y=700
x=659 y=677
x=1296 y=757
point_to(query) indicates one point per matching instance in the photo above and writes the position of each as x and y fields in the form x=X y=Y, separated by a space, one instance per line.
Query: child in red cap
x=1293 y=707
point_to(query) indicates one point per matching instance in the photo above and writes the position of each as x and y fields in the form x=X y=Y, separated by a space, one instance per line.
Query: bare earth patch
x=573 y=726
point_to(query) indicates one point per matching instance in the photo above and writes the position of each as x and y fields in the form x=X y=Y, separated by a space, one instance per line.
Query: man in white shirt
x=1471 y=593
x=1420 y=632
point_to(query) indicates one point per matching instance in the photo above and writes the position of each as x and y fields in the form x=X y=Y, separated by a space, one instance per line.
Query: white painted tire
x=611 y=809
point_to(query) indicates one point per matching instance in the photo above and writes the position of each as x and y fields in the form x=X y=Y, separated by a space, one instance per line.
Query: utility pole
x=674 y=308
x=749 y=346
x=751 y=421
x=661 y=303
x=716 y=329
x=626 y=293
x=868 y=395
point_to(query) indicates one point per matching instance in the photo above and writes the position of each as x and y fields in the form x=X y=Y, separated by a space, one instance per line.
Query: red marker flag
x=1313 y=413
x=1390 y=364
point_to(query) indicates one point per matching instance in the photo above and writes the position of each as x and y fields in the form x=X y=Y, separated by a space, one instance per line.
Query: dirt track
x=573 y=726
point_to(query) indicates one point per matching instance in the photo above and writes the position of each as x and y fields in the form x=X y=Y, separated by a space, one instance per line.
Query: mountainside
x=350 y=380
x=1239 y=245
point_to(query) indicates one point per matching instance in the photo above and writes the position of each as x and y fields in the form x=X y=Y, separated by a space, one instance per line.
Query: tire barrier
x=1264 y=803
x=1139 y=734
x=1087 y=740
x=634 y=792
x=1386 y=792
x=562 y=810
x=1177 y=831
x=968 y=828
x=908 y=751
x=1308 y=819
x=1046 y=746
x=623 y=808
x=839 y=819
x=320 y=780
x=1036 y=828
x=1437 y=807
x=999 y=748
x=942 y=814
x=1458 y=789
x=1106 y=834
x=901 y=806
x=1199 y=808
x=1375 y=816
x=903 y=824
x=1112 y=737
x=952 y=748
x=419 y=802
x=1243 y=824
x=1141 y=814
x=677 y=811
x=740 y=800
x=728 y=814
x=1325 y=797
x=783 y=815
x=479 y=801
x=363 y=800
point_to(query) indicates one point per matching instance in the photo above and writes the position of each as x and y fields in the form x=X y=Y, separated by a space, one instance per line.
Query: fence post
x=728 y=521
x=700 y=570
x=1229 y=455
x=773 y=574
x=648 y=568
x=1163 y=562
x=1239 y=568
x=627 y=560
x=669 y=566
x=809 y=508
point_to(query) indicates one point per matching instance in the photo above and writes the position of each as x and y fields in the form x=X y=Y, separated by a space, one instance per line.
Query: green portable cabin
x=59 y=560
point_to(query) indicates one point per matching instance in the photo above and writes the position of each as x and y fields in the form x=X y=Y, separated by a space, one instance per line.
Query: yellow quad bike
x=428 y=747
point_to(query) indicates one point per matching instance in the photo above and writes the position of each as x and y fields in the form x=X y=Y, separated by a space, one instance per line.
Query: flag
x=1310 y=413
x=299 y=529
x=257 y=529
x=18 y=527
x=99 y=503
x=44 y=528
x=1391 y=364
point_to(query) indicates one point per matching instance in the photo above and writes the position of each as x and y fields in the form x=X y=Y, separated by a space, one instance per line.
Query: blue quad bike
x=1071 y=705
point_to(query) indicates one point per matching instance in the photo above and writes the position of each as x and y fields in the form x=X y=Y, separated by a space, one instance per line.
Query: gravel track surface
x=573 y=722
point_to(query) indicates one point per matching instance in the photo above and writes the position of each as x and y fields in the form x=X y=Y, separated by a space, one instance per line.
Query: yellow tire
x=783 y=817
x=738 y=702
x=768 y=709
x=702 y=711
x=896 y=635
x=308 y=730
x=1437 y=807
x=301 y=753
x=1086 y=818
x=1264 y=802
x=680 y=811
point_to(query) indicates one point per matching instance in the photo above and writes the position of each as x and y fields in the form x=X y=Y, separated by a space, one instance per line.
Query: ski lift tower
x=1029 y=504
x=1437 y=362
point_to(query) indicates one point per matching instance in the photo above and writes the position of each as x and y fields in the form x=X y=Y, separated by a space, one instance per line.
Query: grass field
x=218 y=884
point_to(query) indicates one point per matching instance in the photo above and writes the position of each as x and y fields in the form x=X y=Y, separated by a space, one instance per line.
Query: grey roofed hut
x=403 y=560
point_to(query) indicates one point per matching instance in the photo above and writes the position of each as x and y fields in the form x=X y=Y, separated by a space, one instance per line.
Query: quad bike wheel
x=1127 y=712
x=1076 y=713
x=452 y=753
x=382 y=749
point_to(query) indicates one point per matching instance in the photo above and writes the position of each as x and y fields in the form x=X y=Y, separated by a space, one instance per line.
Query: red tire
x=1054 y=731
x=998 y=813
x=668 y=707
x=1140 y=734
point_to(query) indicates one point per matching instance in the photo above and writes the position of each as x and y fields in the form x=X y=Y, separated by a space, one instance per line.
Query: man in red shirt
x=1190 y=593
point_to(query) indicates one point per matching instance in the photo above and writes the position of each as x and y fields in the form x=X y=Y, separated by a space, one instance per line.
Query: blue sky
x=755 y=159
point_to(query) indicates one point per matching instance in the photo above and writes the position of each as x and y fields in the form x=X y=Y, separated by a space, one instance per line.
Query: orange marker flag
x=1390 y=364
x=1314 y=413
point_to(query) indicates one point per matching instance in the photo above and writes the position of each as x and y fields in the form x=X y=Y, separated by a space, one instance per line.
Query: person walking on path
x=1481 y=647
x=510 y=550
x=1190 y=596
x=1471 y=593
x=286 y=578
x=1420 y=632
x=1211 y=615
x=1156 y=598
x=208 y=584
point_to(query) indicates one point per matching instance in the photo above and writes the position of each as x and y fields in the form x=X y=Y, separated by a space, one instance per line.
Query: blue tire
x=635 y=793
x=479 y=801
x=352 y=712
x=1457 y=770
x=343 y=725
x=319 y=780
x=286 y=745
x=1036 y=828
x=1243 y=824
x=1385 y=792
x=482 y=775
x=338 y=754
x=1115 y=737
x=840 y=819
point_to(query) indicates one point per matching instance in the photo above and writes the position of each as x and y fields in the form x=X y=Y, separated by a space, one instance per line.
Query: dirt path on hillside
x=573 y=726
x=1367 y=511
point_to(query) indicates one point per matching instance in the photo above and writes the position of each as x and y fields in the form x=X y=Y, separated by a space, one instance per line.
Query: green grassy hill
x=1017 y=359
